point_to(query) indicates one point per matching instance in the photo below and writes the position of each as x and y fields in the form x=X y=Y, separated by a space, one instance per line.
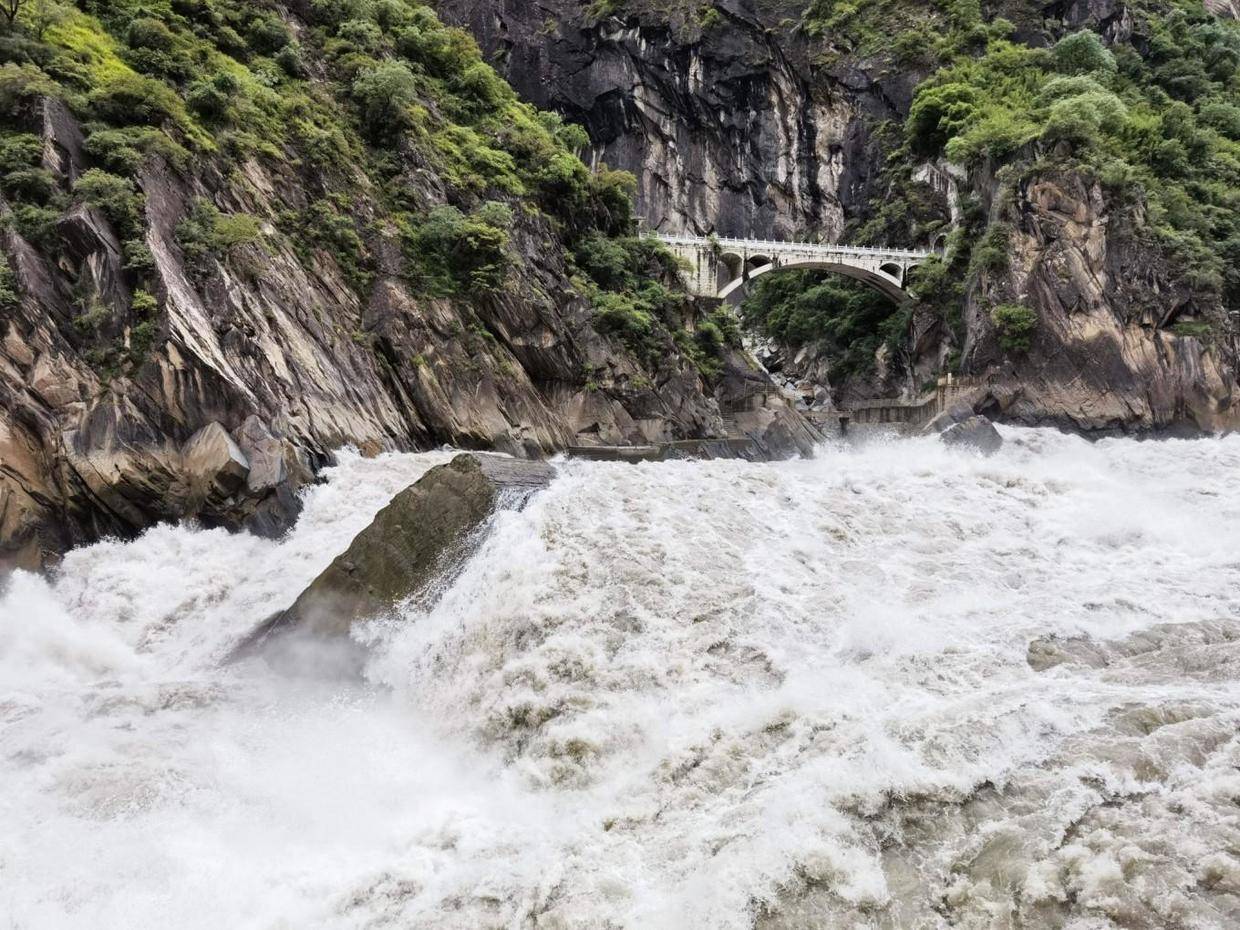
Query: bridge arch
x=891 y=286
x=715 y=267
x=731 y=267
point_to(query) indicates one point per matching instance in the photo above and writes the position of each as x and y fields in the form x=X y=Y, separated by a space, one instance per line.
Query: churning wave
x=892 y=687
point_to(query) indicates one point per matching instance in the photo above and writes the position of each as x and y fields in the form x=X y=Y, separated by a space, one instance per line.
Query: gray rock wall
x=730 y=129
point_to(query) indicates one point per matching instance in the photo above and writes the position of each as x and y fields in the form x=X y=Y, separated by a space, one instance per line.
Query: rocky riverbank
x=221 y=266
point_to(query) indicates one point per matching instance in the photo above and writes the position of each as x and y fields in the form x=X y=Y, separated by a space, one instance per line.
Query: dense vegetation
x=849 y=321
x=1154 y=119
x=363 y=101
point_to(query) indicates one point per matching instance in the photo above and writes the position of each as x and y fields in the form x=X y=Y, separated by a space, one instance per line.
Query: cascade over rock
x=412 y=542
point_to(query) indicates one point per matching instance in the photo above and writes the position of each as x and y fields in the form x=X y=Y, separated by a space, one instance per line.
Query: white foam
x=684 y=694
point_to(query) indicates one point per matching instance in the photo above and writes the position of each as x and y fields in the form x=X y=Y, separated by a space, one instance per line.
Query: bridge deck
x=768 y=246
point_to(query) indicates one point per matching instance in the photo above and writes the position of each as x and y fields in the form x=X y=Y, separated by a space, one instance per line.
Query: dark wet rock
x=975 y=433
x=215 y=467
x=92 y=247
x=62 y=141
x=413 y=541
x=737 y=128
x=956 y=413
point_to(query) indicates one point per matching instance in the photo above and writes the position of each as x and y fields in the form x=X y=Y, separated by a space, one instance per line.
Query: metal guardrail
x=761 y=246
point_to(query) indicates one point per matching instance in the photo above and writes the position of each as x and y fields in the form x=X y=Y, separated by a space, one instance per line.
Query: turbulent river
x=895 y=686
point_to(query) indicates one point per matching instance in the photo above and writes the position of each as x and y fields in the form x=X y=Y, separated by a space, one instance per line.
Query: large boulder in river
x=976 y=433
x=956 y=413
x=422 y=533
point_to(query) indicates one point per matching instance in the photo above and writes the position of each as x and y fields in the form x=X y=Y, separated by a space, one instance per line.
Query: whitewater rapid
x=894 y=686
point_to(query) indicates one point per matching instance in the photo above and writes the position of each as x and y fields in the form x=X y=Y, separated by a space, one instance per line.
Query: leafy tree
x=451 y=253
x=9 y=10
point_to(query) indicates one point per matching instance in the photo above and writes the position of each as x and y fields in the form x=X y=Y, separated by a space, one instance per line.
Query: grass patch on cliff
x=633 y=284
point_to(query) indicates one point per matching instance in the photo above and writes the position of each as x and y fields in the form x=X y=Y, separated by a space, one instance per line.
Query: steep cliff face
x=770 y=119
x=1111 y=350
x=731 y=122
x=195 y=315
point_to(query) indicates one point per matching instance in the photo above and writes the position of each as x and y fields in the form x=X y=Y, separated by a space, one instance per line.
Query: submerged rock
x=422 y=533
x=975 y=433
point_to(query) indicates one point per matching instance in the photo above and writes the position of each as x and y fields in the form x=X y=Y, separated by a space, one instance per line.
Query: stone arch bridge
x=722 y=267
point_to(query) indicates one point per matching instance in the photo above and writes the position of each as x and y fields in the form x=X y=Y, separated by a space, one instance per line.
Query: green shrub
x=36 y=224
x=1085 y=117
x=619 y=315
x=1015 y=325
x=328 y=225
x=19 y=151
x=123 y=151
x=451 y=253
x=605 y=260
x=391 y=14
x=36 y=185
x=1223 y=117
x=361 y=34
x=206 y=233
x=92 y=319
x=21 y=83
x=207 y=100
x=1082 y=52
x=114 y=196
x=728 y=325
x=847 y=320
x=385 y=93
x=148 y=32
x=611 y=196
x=132 y=98
x=442 y=50
x=10 y=293
x=290 y=60
x=268 y=35
x=143 y=303
x=709 y=17
x=940 y=113
x=1194 y=329
x=138 y=260
x=482 y=87
x=141 y=338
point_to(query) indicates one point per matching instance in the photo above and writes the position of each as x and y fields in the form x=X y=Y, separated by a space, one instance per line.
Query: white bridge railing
x=770 y=246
